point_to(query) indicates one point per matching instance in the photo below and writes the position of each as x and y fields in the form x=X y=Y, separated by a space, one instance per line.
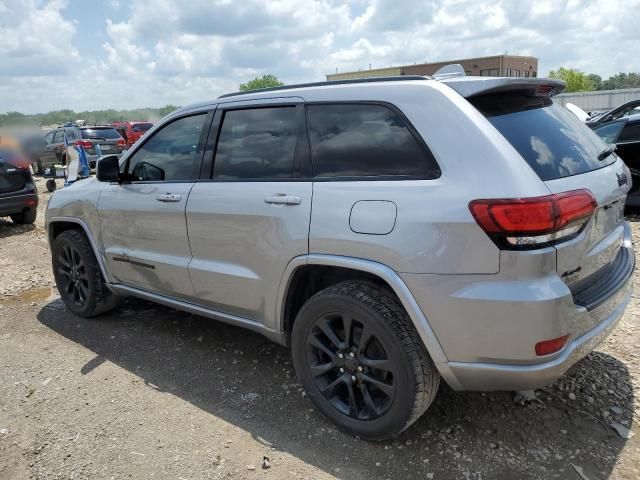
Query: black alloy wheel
x=351 y=367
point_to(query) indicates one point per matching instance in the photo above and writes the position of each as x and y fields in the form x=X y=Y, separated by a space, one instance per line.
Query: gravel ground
x=150 y=392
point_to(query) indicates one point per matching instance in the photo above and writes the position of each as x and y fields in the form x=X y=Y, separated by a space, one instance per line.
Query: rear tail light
x=526 y=223
x=21 y=163
x=84 y=144
x=547 y=347
x=121 y=143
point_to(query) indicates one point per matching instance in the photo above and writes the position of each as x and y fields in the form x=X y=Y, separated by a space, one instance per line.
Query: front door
x=142 y=220
x=252 y=217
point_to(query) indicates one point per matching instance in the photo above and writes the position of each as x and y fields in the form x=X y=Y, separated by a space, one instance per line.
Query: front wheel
x=78 y=276
x=361 y=362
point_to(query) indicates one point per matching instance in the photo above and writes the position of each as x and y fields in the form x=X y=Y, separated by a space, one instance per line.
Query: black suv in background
x=18 y=194
x=109 y=140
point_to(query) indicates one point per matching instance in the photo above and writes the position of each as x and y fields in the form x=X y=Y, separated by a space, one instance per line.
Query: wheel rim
x=74 y=281
x=351 y=367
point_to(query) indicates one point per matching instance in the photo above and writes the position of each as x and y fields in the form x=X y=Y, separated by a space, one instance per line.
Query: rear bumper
x=17 y=203
x=488 y=325
x=490 y=377
x=93 y=159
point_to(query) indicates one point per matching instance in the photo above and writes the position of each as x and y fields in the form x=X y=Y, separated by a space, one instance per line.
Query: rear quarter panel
x=434 y=230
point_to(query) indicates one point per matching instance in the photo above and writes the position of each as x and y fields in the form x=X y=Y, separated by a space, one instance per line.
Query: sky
x=98 y=54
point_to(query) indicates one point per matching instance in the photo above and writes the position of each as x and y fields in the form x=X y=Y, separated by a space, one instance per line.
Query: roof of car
x=464 y=85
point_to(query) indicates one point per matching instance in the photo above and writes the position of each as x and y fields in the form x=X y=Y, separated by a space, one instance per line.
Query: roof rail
x=329 y=83
x=448 y=71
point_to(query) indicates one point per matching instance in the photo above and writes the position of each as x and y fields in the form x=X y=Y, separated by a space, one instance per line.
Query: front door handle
x=282 y=199
x=169 y=197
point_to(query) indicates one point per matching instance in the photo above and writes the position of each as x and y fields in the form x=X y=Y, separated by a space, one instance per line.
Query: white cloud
x=168 y=51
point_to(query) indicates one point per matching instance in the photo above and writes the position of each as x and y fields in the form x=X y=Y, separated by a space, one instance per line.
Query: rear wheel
x=27 y=217
x=78 y=276
x=361 y=361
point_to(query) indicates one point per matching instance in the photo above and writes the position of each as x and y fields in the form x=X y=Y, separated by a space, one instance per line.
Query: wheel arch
x=57 y=225
x=293 y=284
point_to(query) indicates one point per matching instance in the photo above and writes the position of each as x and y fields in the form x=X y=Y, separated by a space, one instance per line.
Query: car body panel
x=479 y=310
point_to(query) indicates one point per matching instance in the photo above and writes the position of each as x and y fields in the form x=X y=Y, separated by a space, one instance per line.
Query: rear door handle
x=282 y=199
x=169 y=197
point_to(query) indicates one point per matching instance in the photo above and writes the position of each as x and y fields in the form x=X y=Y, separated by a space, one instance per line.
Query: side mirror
x=108 y=169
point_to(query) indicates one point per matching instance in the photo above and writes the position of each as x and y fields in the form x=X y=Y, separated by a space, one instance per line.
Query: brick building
x=496 y=66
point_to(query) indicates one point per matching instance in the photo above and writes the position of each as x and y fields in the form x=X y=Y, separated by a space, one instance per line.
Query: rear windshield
x=548 y=136
x=106 y=133
x=141 y=127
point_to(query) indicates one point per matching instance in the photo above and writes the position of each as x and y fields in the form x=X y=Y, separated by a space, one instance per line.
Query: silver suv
x=391 y=231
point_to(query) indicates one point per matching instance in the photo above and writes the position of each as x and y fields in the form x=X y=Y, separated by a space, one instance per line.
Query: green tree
x=622 y=80
x=576 y=80
x=265 y=81
x=596 y=81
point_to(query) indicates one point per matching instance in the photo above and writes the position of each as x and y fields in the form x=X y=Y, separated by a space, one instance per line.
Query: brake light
x=122 y=143
x=83 y=144
x=525 y=223
x=548 y=347
x=20 y=162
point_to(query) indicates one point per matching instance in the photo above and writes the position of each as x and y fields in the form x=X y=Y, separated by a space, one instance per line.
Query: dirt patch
x=150 y=392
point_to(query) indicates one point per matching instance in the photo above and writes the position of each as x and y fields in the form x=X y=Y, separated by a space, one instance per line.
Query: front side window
x=257 y=143
x=630 y=133
x=361 y=140
x=171 y=154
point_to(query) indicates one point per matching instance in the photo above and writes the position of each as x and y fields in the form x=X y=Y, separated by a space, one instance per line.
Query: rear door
x=252 y=217
x=142 y=221
x=567 y=156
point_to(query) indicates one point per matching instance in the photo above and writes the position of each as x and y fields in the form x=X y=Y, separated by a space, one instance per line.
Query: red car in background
x=132 y=131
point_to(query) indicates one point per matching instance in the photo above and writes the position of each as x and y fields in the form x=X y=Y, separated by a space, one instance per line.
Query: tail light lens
x=122 y=143
x=20 y=162
x=84 y=144
x=526 y=223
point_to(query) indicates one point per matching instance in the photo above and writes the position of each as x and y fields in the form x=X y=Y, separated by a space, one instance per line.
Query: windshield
x=550 y=138
x=141 y=127
x=106 y=133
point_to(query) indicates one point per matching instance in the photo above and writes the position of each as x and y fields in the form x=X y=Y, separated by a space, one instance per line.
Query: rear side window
x=548 y=136
x=256 y=143
x=362 y=140
x=101 y=133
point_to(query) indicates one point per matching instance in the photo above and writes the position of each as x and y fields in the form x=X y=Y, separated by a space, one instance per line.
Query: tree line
x=578 y=81
x=94 y=117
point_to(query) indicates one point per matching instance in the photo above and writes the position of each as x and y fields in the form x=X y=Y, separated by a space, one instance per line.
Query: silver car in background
x=392 y=231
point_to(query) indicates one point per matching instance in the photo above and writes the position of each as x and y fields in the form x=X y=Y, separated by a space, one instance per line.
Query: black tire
x=51 y=185
x=82 y=288
x=27 y=217
x=398 y=393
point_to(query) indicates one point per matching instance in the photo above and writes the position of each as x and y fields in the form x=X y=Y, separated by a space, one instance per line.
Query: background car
x=109 y=141
x=624 y=110
x=18 y=194
x=625 y=134
x=132 y=131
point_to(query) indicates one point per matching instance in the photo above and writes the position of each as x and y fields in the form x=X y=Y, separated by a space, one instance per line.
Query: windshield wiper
x=607 y=151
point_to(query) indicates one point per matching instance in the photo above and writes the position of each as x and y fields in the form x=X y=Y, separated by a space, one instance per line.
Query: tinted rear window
x=548 y=136
x=141 y=127
x=356 y=140
x=106 y=133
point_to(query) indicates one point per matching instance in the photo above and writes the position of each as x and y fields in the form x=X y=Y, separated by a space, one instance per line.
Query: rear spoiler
x=535 y=87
